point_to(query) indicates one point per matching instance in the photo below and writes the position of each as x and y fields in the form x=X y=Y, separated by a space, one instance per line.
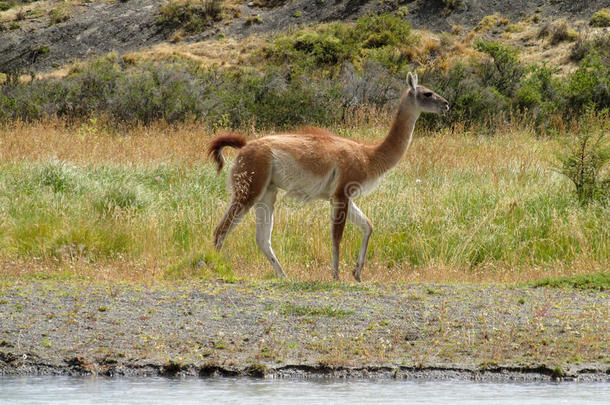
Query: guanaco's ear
x=412 y=81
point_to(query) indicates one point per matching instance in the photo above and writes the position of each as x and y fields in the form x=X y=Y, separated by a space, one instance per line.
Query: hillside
x=40 y=36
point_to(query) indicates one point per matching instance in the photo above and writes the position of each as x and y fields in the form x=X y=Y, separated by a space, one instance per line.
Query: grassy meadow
x=103 y=172
x=93 y=201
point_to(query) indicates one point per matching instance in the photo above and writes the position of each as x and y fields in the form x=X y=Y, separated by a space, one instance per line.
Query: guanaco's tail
x=232 y=140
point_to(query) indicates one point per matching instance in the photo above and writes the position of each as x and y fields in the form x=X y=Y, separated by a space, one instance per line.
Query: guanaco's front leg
x=357 y=218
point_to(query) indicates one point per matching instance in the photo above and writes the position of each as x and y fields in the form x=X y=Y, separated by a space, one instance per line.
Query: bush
x=470 y=98
x=487 y=23
x=374 y=31
x=58 y=176
x=560 y=32
x=584 y=160
x=119 y=196
x=600 y=19
x=327 y=73
x=190 y=16
x=159 y=91
x=589 y=84
x=504 y=71
x=375 y=86
x=599 y=45
x=374 y=37
x=273 y=101
x=309 y=49
x=541 y=95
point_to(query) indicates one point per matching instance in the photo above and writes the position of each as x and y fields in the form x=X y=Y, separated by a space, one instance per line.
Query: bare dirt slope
x=95 y=28
x=98 y=27
x=426 y=14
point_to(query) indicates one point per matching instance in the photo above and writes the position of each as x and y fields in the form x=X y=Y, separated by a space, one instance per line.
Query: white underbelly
x=370 y=185
x=301 y=183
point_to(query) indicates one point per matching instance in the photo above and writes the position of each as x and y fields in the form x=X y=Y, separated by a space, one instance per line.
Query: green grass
x=316 y=286
x=64 y=275
x=305 y=310
x=597 y=281
x=496 y=210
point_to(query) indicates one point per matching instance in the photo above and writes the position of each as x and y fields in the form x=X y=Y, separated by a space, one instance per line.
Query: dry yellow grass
x=91 y=142
x=223 y=52
x=12 y=13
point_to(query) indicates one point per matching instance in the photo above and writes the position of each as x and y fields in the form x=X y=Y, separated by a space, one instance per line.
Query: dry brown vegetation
x=92 y=142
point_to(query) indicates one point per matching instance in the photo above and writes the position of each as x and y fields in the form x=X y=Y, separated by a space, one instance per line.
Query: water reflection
x=156 y=390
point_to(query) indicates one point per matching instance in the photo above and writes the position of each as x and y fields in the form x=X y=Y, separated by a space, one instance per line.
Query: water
x=156 y=390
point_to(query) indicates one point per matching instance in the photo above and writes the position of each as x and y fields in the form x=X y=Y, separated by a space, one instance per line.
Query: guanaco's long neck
x=387 y=154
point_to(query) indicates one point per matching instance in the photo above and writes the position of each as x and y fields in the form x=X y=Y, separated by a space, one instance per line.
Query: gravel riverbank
x=304 y=329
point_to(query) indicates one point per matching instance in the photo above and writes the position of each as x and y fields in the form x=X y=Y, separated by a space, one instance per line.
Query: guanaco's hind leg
x=250 y=178
x=264 y=226
x=232 y=217
x=340 y=207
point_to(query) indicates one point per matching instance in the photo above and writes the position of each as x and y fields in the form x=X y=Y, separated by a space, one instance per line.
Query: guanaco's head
x=422 y=98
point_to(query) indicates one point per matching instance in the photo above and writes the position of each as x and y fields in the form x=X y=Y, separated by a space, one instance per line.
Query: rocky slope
x=31 y=40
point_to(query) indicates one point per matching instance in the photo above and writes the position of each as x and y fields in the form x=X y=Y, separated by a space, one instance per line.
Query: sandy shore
x=289 y=329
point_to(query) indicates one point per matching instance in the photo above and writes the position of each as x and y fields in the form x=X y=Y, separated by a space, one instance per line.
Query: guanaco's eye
x=428 y=94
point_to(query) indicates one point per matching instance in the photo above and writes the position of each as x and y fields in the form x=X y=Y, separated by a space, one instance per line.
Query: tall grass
x=142 y=205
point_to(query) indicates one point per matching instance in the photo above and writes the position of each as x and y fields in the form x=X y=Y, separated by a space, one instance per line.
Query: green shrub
x=189 y=15
x=599 y=45
x=601 y=18
x=5 y=5
x=487 y=23
x=373 y=37
x=374 y=31
x=541 y=95
x=273 y=101
x=589 y=84
x=514 y=28
x=158 y=91
x=471 y=98
x=504 y=71
x=584 y=160
x=312 y=49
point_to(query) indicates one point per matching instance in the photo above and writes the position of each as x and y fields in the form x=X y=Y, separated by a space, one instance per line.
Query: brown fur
x=215 y=148
x=314 y=163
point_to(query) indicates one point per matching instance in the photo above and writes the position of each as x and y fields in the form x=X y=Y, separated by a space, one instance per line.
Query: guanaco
x=315 y=164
